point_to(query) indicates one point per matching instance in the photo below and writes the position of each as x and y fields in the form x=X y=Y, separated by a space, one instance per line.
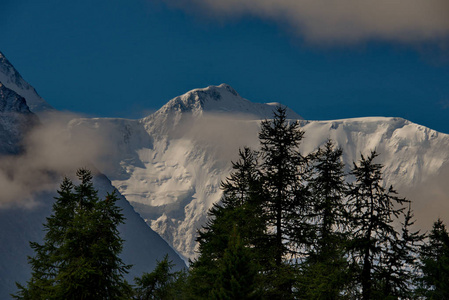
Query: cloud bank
x=430 y=199
x=336 y=21
x=51 y=151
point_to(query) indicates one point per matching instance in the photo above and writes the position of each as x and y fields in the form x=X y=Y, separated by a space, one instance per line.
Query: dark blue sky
x=117 y=58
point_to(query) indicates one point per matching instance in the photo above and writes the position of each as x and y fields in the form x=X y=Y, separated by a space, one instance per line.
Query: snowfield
x=169 y=165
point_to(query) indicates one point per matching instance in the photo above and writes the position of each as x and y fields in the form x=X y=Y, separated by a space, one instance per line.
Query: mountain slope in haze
x=170 y=164
x=19 y=225
x=14 y=81
x=21 y=218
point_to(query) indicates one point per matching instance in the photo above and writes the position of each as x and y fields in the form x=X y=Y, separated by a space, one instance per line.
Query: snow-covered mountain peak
x=222 y=100
x=219 y=99
x=14 y=81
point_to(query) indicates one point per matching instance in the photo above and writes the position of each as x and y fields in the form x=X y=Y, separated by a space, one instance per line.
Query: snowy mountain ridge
x=408 y=151
x=172 y=177
x=221 y=99
x=10 y=101
x=14 y=81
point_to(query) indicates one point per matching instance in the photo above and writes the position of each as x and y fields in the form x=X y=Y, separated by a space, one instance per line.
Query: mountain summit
x=220 y=99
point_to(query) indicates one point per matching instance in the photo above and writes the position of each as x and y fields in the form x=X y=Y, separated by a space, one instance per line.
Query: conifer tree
x=324 y=271
x=266 y=203
x=373 y=211
x=434 y=257
x=237 y=273
x=397 y=278
x=79 y=256
x=161 y=283
x=328 y=189
x=282 y=169
x=285 y=197
x=239 y=208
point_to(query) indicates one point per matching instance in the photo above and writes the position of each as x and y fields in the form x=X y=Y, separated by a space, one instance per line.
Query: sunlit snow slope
x=170 y=164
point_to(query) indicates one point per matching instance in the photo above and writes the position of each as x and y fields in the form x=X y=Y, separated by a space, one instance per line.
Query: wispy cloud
x=51 y=151
x=337 y=21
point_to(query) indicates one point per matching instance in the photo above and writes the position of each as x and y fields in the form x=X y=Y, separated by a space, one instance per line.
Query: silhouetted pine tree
x=239 y=208
x=373 y=211
x=283 y=170
x=434 y=257
x=396 y=280
x=324 y=271
x=267 y=204
x=237 y=274
x=162 y=283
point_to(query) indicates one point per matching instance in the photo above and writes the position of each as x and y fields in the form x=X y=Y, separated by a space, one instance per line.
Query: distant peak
x=214 y=92
x=228 y=88
x=198 y=100
x=221 y=99
x=222 y=86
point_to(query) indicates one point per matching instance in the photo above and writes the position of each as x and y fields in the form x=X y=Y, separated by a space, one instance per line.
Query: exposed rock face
x=16 y=120
x=14 y=81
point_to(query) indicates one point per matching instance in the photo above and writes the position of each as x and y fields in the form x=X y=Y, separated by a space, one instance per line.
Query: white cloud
x=430 y=199
x=334 y=21
x=50 y=153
